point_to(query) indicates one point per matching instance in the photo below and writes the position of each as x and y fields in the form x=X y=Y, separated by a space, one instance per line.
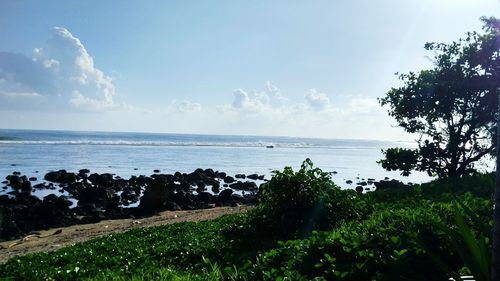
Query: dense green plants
x=392 y=244
x=292 y=204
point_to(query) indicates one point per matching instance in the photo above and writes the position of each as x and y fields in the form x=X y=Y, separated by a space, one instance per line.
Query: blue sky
x=295 y=68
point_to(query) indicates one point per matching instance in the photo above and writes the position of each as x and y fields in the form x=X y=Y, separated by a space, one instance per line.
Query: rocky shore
x=84 y=197
x=72 y=198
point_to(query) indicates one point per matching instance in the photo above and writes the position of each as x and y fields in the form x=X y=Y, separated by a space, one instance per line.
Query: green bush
x=390 y=245
x=292 y=204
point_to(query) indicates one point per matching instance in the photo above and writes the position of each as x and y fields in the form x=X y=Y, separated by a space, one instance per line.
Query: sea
x=36 y=152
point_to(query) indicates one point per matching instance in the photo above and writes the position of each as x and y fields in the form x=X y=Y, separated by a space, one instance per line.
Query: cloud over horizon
x=60 y=74
x=258 y=112
x=316 y=100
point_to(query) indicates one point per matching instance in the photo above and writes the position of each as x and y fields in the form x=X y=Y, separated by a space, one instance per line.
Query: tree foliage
x=452 y=107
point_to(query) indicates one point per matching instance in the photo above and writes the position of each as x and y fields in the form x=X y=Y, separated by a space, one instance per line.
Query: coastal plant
x=386 y=246
x=292 y=204
x=473 y=247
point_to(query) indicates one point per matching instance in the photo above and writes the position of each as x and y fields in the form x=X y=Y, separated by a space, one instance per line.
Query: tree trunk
x=495 y=270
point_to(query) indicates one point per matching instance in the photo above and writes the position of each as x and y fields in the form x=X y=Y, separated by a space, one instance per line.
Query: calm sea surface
x=34 y=153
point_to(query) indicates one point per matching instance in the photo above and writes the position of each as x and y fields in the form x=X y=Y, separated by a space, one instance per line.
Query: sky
x=280 y=68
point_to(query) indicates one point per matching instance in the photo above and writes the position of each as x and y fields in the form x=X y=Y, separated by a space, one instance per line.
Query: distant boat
x=269 y=146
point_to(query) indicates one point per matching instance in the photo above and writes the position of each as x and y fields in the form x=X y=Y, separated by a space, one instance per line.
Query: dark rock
x=184 y=200
x=236 y=198
x=84 y=171
x=253 y=176
x=4 y=199
x=239 y=176
x=172 y=206
x=200 y=189
x=20 y=182
x=10 y=230
x=5 y=182
x=228 y=179
x=385 y=184
x=261 y=177
x=58 y=202
x=16 y=173
x=156 y=171
x=60 y=176
x=225 y=196
x=129 y=196
x=359 y=189
x=75 y=188
x=39 y=186
x=348 y=181
x=334 y=172
x=247 y=186
x=216 y=188
x=95 y=194
x=363 y=183
x=210 y=173
x=33 y=179
x=204 y=197
x=154 y=197
x=105 y=179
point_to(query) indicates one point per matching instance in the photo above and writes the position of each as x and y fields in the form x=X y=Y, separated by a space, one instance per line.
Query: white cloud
x=275 y=92
x=268 y=101
x=317 y=101
x=313 y=116
x=188 y=106
x=250 y=103
x=62 y=71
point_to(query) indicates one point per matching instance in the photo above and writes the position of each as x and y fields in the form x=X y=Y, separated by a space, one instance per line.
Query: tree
x=452 y=107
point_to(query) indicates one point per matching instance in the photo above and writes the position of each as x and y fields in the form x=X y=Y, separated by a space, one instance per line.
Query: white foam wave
x=152 y=143
x=178 y=144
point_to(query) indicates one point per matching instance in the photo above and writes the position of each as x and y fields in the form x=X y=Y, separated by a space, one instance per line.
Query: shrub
x=387 y=246
x=292 y=204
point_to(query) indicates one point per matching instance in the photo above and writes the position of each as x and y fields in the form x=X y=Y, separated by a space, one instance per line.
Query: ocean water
x=34 y=153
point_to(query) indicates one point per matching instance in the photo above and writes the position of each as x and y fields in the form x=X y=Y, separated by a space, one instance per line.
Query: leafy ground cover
x=303 y=228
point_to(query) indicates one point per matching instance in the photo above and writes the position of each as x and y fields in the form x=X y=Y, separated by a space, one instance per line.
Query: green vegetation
x=304 y=227
x=451 y=107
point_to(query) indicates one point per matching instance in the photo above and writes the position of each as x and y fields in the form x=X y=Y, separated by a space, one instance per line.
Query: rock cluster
x=105 y=196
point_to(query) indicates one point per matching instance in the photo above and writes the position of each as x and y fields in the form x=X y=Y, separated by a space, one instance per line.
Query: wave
x=181 y=144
